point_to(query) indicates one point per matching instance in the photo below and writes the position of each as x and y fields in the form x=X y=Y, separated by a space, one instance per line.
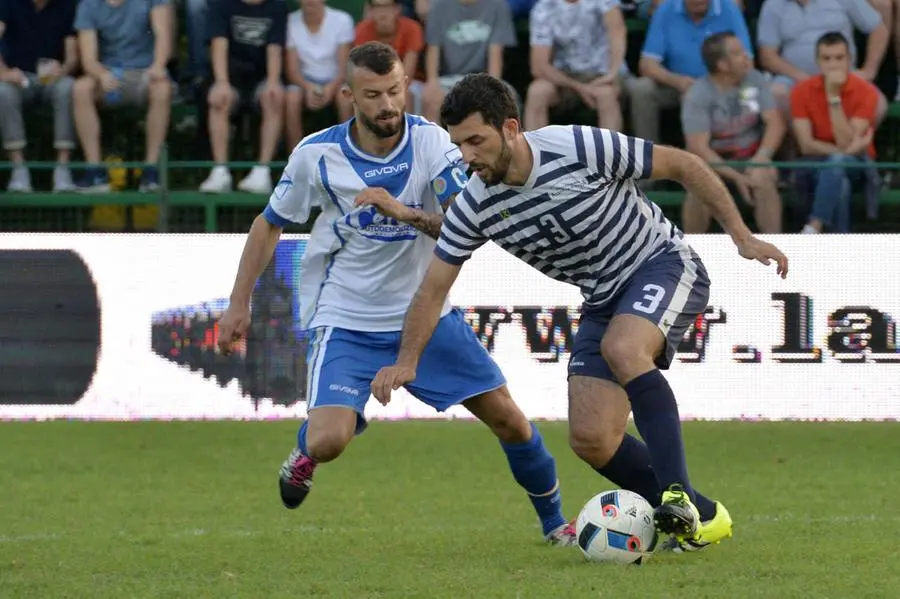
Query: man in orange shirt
x=833 y=118
x=384 y=23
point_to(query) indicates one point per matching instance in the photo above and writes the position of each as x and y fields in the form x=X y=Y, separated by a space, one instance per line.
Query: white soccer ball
x=616 y=526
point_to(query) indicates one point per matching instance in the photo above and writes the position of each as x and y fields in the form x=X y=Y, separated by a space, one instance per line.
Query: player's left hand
x=764 y=252
x=384 y=202
x=391 y=378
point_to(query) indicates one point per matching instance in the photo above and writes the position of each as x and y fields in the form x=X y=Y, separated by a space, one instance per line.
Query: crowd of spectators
x=798 y=91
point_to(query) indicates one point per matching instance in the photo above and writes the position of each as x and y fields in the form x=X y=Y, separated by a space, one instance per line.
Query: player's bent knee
x=329 y=432
x=594 y=443
x=626 y=358
x=501 y=414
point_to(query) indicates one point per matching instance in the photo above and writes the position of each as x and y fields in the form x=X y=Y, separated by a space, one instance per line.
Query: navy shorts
x=669 y=291
x=454 y=367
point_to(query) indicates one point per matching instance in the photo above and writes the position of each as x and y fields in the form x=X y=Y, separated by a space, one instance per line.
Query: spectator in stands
x=577 y=53
x=788 y=31
x=834 y=121
x=386 y=24
x=124 y=47
x=463 y=36
x=318 y=40
x=671 y=59
x=246 y=50
x=730 y=115
x=41 y=55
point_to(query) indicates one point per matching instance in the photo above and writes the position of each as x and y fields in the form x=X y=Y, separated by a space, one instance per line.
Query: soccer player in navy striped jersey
x=564 y=199
x=382 y=181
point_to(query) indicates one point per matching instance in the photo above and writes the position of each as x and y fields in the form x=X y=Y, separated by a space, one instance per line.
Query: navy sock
x=535 y=470
x=301 y=438
x=630 y=469
x=656 y=417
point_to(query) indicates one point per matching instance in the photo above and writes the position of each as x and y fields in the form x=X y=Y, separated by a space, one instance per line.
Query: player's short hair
x=832 y=38
x=479 y=93
x=713 y=49
x=373 y=56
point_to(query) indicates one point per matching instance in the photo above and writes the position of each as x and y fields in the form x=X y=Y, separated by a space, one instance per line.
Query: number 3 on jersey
x=553 y=228
x=653 y=295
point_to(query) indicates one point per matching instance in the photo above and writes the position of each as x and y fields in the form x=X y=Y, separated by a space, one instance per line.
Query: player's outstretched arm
x=427 y=222
x=700 y=180
x=257 y=253
x=421 y=319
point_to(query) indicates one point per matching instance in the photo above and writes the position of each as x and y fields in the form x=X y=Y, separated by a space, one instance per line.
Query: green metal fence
x=175 y=210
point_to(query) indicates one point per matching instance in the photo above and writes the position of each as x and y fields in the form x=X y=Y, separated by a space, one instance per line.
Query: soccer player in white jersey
x=381 y=180
x=564 y=200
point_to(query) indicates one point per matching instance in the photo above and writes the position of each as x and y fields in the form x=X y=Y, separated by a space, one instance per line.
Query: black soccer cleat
x=295 y=479
x=677 y=515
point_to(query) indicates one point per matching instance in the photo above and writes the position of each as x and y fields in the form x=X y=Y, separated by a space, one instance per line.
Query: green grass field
x=424 y=509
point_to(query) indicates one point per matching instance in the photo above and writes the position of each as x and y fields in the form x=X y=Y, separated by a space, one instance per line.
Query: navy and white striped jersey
x=579 y=218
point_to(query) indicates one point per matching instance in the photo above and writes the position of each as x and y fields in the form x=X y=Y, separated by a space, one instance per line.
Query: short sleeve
x=695 y=115
x=416 y=37
x=345 y=33
x=295 y=194
x=503 y=33
x=614 y=155
x=443 y=161
x=863 y=16
x=766 y=98
x=84 y=16
x=540 y=24
x=868 y=105
x=655 y=42
x=434 y=26
x=218 y=18
x=768 y=32
x=278 y=31
x=800 y=102
x=155 y=3
x=460 y=232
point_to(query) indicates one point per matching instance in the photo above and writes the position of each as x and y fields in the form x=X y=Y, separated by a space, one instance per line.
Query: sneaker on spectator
x=62 y=179
x=95 y=180
x=149 y=180
x=218 y=181
x=258 y=181
x=19 y=180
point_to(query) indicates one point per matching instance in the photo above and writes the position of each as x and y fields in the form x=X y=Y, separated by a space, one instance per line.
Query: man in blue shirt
x=40 y=56
x=124 y=47
x=672 y=59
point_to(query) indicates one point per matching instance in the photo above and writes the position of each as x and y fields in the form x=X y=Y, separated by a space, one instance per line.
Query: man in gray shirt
x=463 y=36
x=731 y=114
x=124 y=47
x=789 y=29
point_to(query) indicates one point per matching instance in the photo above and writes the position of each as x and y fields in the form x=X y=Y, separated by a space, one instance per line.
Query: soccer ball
x=616 y=526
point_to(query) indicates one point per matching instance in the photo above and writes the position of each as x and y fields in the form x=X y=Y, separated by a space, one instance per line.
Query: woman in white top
x=318 y=40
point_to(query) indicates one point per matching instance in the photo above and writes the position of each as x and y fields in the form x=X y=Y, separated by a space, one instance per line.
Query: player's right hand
x=391 y=378
x=233 y=326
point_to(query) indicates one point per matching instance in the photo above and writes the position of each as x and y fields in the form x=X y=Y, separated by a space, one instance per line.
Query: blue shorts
x=669 y=291
x=453 y=368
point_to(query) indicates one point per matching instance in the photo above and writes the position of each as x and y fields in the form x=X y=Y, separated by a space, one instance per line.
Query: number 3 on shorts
x=653 y=295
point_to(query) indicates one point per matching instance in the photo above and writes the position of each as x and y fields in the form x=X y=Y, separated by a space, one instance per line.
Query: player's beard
x=497 y=171
x=383 y=130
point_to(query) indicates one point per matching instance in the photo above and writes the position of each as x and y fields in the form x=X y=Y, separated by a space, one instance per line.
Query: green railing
x=166 y=200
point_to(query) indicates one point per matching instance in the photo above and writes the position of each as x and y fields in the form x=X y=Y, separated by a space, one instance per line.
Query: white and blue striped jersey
x=360 y=269
x=579 y=218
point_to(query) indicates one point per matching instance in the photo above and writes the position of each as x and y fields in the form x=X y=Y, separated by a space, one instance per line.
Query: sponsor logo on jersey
x=387 y=169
